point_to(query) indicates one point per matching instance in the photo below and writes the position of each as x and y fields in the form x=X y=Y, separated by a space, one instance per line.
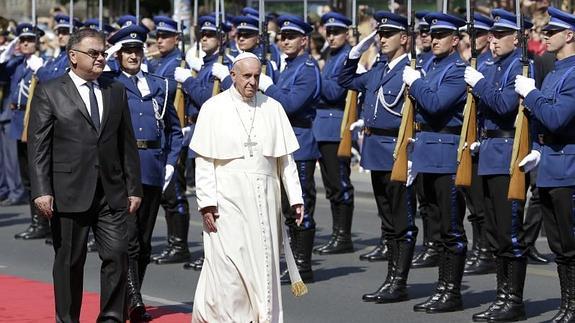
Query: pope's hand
x=299 y=211
x=220 y=71
x=358 y=124
x=530 y=161
x=524 y=85
x=168 y=173
x=34 y=62
x=265 y=82
x=362 y=46
x=45 y=205
x=112 y=50
x=472 y=76
x=410 y=75
x=182 y=74
x=209 y=216
x=194 y=62
x=8 y=51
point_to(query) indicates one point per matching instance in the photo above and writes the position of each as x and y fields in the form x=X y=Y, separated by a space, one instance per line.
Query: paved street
x=334 y=297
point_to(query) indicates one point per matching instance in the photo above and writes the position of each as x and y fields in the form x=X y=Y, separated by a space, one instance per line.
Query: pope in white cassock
x=244 y=143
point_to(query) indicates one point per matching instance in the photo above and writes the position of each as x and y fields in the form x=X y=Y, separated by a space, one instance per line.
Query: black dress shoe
x=534 y=255
x=175 y=256
x=37 y=232
x=195 y=265
x=49 y=241
x=379 y=253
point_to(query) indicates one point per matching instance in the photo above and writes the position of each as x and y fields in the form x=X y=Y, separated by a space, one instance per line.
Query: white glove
x=474 y=148
x=220 y=71
x=112 y=50
x=34 y=63
x=265 y=82
x=530 y=161
x=362 y=46
x=8 y=51
x=411 y=174
x=186 y=130
x=472 y=76
x=358 y=124
x=410 y=75
x=524 y=85
x=182 y=74
x=144 y=67
x=169 y=172
x=194 y=62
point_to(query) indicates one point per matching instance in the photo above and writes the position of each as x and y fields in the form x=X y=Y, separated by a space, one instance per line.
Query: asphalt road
x=340 y=279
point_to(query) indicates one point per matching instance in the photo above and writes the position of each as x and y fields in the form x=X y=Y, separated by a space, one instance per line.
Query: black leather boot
x=439 y=288
x=302 y=247
x=569 y=314
x=562 y=270
x=379 y=253
x=535 y=256
x=179 y=252
x=397 y=291
x=513 y=309
x=474 y=252
x=334 y=229
x=501 y=292
x=450 y=300
x=428 y=257
x=342 y=243
x=484 y=263
x=136 y=307
x=195 y=264
x=39 y=228
x=169 y=234
x=142 y=266
x=391 y=268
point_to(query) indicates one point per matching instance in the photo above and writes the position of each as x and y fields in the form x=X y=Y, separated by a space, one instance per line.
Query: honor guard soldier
x=335 y=171
x=481 y=259
x=384 y=97
x=174 y=200
x=426 y=55
x=94 y=23
x=297 y=89
x=199 y=88
x=440 y=98
x=127 y=21
x=159 y=139
x=58 y=65
x=498 y=104
x=20 y=73
x=551 y=114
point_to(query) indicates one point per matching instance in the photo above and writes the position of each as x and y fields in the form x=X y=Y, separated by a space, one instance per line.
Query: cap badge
x=162 y=24
x=331 y=19
x=497 y=18
x=128 y=23
x=434 y=22
x=133 y=35
x=383 y=20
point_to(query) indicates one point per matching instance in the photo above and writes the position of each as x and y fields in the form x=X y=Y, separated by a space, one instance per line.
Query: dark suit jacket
x=67 y=154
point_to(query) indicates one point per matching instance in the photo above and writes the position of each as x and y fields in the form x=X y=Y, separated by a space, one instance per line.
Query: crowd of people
x=241 y=112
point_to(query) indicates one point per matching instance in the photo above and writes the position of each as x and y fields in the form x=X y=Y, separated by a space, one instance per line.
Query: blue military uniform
x=426 y=56
x=384 y=99
x=297 y=89
x=440 y=98
x=335 y=171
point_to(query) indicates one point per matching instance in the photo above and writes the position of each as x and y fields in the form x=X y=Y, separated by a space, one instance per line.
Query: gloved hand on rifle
x=168 y=174
x=530 y=161
x=265 y=82
x=524 y=85
x=358 y=124
x=220 y=71
x=194 y=62
x=472 y=76
x=362 y=46
x=410 y=75
x=182 y=74
x=474 y=148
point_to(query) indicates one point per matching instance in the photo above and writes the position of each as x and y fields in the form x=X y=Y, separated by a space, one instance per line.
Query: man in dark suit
x=85 y=173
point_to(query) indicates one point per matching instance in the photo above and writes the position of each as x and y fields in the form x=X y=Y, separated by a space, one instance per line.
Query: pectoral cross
x=249 y=144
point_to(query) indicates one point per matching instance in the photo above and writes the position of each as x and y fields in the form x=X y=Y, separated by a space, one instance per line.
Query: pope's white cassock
x=244 y=149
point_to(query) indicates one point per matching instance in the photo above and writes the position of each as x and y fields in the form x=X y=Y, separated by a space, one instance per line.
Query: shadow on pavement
x=540 y=307
x=11 y=219
x=327 y=274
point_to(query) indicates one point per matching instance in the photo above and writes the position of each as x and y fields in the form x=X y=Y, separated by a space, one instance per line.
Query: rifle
x=34 y=80
x=196 y=34
x=179 y=101
x=399 y=170
x=264 y=38
x=469 y=128
x=217 y=82
x=517 y=189
x=350 y=111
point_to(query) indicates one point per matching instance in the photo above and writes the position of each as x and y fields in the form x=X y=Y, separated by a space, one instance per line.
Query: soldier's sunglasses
x=335 y=31
x=247 y=34
x=94 y=54
x=387 y=33
x=552 y=32
x=208 y=34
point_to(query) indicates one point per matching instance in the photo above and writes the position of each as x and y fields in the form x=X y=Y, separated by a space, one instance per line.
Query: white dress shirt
x=84 y=90
x=142 y=83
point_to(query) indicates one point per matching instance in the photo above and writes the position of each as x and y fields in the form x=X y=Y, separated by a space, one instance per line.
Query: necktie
x=135 y=80
x=94 y=111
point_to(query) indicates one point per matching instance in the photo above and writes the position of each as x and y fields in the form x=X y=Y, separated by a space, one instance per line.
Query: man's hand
x=530 y=161
x=220 y=71
x=298 y=210
x=524 y=85
x=182 y=74
x=265 y=82
x=362 y=46
x=45 y=205
x=112 y=50
x=134 y=204
x=169 y=172
x=194 y=62
x=34 y=62
x=210 y=215
x=410 y=75
x=8 y=51
x=472 y=76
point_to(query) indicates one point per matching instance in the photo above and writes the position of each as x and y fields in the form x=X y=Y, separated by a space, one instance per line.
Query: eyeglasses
x=94 y=54
x=247 y=34
x=552 y=32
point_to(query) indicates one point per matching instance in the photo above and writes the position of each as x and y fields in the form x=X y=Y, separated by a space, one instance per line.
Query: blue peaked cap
x=504 y=20
x=127 y=20
x=63 y=21
x=294 y=23
x=246 y=23
x=442 y=21
x=559 y=20
x=335 y=19
x=130 y=36
x=388 y=20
